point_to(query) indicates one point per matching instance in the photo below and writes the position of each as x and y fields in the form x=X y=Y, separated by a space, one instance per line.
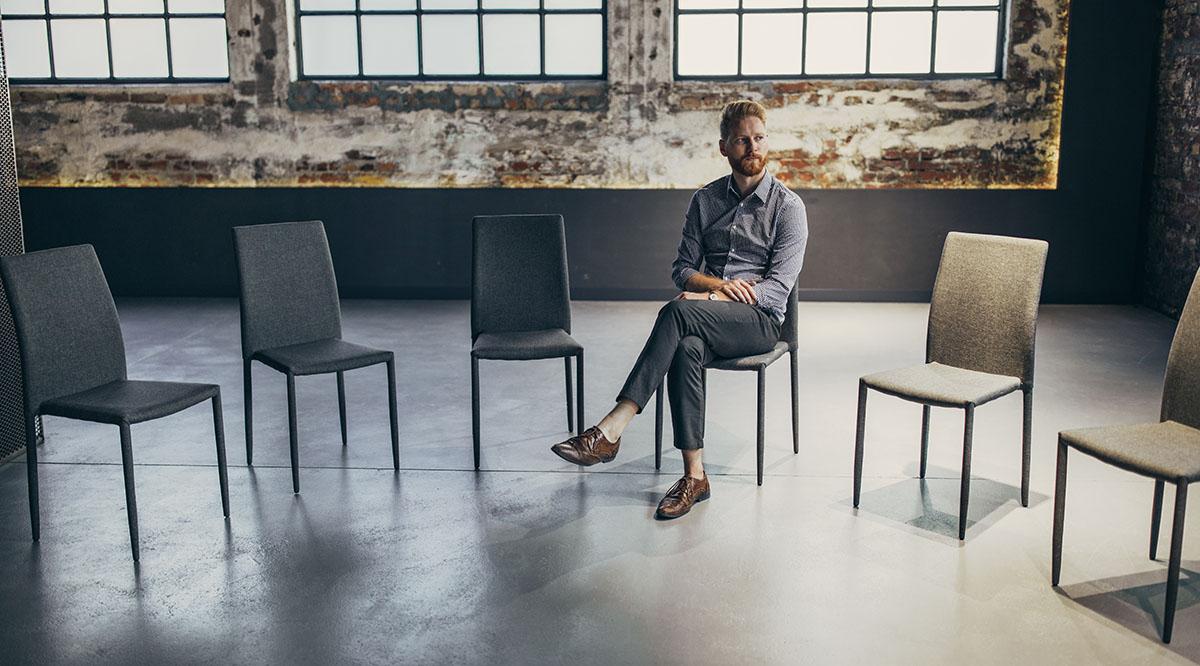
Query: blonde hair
x=733 y=113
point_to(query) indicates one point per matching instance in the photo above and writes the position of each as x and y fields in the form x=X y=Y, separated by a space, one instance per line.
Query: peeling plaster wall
x=639 y=129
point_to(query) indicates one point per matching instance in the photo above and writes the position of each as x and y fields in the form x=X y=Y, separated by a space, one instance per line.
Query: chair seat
x=942 y=385
x=128 y=401
x=525 y=345
x=756 y=362
x=322 y=356
x=1167 y=450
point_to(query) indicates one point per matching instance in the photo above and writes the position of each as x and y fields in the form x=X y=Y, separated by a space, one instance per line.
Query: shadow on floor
x=929 y=507
x=1135 y=602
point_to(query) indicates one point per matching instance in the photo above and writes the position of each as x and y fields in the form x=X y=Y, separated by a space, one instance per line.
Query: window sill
x=311 y=95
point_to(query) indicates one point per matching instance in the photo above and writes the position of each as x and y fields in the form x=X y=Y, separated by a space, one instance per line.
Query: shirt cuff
x=685 y=274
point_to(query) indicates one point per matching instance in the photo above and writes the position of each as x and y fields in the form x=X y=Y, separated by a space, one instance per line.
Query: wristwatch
x=712 y=295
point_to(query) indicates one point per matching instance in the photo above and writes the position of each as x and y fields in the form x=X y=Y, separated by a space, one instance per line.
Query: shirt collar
x=763 y=189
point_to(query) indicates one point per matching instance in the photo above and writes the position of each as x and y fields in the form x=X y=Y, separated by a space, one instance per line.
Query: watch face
x=712 y=296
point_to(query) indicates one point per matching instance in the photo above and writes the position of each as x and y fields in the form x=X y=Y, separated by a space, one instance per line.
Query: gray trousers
x=686 y=336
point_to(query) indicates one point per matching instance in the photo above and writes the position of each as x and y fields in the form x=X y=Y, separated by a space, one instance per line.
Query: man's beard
x=748 y=166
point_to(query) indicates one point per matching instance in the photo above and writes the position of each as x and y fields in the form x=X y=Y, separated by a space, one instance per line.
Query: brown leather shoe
x=682 y=496
x=587 y=449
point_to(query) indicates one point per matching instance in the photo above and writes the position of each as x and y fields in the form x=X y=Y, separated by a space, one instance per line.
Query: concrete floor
x=534 y=561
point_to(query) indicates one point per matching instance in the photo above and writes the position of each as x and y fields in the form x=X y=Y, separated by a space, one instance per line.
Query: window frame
x=870 y=10
x=479 y=12
x=46 y=17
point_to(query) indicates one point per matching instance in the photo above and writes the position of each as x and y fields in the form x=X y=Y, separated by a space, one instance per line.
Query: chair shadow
x=929 y=507
x=1135 y=602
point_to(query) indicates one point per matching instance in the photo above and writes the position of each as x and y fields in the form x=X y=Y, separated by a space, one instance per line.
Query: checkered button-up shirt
x=760 y=239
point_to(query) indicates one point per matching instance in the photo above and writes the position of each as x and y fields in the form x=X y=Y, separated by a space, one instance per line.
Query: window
x=790 y=39
x=451 y=39
x=115 y=40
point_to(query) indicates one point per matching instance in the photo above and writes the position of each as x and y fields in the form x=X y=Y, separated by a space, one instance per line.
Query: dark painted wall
x=865 y=244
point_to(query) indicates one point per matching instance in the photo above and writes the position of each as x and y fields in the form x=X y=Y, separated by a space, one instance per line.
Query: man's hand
x=737 y=290
x=692 y=296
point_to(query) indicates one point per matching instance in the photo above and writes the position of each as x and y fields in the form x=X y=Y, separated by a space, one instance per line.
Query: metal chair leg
x=570 y=398
x=1026 y=443
x=341 y=382
x=1060 y=499
x=860 y=431
x=1156 y=517
x=392 y=416
x=762 y=415
x=795 y=363
x=475 y=408
x=924 y=438
x=579 y=391
x=964 y=493
x=222 y=472
x=658 y=425
x=130 y=494
x=31 y=471
x=293 y=435
x=248 y=408
x=1173 y=565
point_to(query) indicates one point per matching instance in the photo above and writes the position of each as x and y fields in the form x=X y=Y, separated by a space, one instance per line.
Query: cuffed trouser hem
x=694 y=447
x=640 y=405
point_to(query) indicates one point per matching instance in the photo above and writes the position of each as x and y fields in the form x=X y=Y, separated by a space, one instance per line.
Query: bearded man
x=743 y=244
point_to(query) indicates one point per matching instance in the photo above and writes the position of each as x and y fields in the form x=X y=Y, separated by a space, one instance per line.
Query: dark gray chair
x=788 y=344
x=73 y=357
x=1167 y=451
x=521 y=301
x=980 y=345
x=292 y=321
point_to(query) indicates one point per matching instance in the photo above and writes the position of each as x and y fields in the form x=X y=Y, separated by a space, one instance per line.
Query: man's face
x=746 y=146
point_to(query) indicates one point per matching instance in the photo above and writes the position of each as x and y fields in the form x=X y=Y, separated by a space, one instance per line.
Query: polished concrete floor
x=534 y=561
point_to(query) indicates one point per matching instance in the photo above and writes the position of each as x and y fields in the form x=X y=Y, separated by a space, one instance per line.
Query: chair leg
x=1156 y=517
x=964 y=492
x=658 y=424
x=32 y=472
x=1026 y=442
x=570 y=398
x=293 y=435
x=1173 y=565
x=1060 y=500
x=924 y=438
x=222 y=471
x=475 y=408
x=762 y=414
x=392 y=416
x=341 y=382
x=795 y=402
x=130 y=494
x=859 y=432
x=248 y=408
x=579 y=391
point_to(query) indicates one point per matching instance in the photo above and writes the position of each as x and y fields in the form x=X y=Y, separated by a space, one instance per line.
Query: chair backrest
x=66 y=323
x=983 y=315
x=1181 y=387
x=790 y=331
x=289 y=292
x=519 y=274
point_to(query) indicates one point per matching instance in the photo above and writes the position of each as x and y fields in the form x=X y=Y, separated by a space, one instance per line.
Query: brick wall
x=640 y=129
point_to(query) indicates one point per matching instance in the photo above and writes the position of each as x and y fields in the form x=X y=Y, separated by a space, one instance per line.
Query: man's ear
x=721 y=146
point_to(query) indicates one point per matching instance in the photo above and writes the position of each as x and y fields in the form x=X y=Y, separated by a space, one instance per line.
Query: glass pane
x=575 y=44
x=80 y=48
x=329 y=45
x=572 y=4
x=900 y=42
x=196 y=6
x=139 y=47
x=968 y=3
x=837 y=3
x=450 y=44
x=389 y=45
x=837 y=43
x=135 y=7
x=199 y=48
x=11 y=7
x=27 y=49
x=773 y=4
x=772 y=43
x=449 y=4
x=512 y=44
x=708 y=4
x=76 y=7
x=707 y=44
x=903 y=3
x=388 y=4
x=326 y=5
x=966 y=42
x=510 y=4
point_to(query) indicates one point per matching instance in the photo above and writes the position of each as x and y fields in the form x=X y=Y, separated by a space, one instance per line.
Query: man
x=750 y=233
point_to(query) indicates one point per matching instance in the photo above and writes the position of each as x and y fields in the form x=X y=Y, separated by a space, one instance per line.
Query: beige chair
x=1165 y=451
x=982 y=323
